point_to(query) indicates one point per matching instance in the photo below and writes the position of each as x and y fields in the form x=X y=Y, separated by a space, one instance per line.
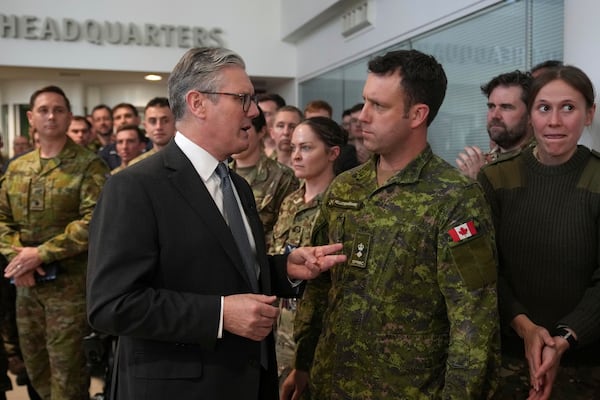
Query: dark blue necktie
x=234 y=219
x=233 y=216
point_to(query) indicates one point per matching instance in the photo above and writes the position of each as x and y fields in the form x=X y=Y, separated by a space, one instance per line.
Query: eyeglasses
x=245 y=98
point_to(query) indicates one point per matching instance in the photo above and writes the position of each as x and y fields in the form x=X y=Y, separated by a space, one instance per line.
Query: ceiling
x=80 y=75
x=95 y=77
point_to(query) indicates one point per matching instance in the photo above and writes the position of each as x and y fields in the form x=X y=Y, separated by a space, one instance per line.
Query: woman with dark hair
x=546 y=206
x=316 y=144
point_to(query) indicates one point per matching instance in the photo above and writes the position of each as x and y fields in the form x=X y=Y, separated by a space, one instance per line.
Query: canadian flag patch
x=462 y=231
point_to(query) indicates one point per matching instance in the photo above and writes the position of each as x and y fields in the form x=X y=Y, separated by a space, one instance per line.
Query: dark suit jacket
x=160 y=258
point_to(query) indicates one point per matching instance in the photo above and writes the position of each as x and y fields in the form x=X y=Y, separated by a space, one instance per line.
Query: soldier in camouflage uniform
x=316 y=146
x=507 y=122
x=412 y=314
x=46 y=202
x=270 y=180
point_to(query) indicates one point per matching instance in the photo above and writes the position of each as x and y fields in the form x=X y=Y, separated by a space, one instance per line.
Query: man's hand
x=308 y=262
x=470 y=161
x=294 y=385
x=249 y=315
x=23 y=265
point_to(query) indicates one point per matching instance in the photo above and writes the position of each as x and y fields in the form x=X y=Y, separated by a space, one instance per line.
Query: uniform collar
x=409 y=174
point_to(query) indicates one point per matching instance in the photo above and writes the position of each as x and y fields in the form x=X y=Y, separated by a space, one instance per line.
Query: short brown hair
x=316 y=105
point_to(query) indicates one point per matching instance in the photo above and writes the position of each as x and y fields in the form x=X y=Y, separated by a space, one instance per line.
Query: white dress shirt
x=205 y=165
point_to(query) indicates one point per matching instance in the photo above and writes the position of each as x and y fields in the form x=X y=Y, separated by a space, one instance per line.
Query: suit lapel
x=191 y=188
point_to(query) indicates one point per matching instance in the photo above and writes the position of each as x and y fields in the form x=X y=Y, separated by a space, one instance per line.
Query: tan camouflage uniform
x=412 y=314
x=143 y=156
x=48 y=204
x=293 y=229
x=270 y=182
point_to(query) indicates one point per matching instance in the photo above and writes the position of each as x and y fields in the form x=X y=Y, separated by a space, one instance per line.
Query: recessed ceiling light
x=152 y=77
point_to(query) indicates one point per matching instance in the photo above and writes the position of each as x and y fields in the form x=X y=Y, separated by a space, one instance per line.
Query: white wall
x=393 y=21
x=250 y=28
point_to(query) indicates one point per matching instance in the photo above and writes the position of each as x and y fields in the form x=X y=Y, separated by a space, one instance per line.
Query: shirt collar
x=204 y=163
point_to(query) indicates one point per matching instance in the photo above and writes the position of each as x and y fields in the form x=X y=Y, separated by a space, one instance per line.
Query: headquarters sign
x=108 y=33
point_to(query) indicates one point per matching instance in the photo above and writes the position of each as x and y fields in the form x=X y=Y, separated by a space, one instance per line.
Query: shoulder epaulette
x=505 y=156
x=506 y=173
x=590 y=177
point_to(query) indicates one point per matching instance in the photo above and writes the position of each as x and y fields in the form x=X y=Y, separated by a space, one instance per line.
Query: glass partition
x=502 y=38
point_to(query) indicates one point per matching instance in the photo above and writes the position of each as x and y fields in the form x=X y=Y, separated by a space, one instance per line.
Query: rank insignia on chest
x=463 y=231
x=360 y=250
x=36 y=196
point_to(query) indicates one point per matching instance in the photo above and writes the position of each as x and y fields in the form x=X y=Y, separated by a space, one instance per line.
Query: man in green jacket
x=412 y=313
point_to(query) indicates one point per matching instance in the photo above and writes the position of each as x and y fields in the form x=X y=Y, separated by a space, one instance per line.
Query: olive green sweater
x=547 y=221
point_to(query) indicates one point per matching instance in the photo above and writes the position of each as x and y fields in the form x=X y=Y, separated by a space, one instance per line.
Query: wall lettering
x=108 y=33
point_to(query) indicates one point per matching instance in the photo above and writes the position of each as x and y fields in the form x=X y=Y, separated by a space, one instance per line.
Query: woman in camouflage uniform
x=316 y=144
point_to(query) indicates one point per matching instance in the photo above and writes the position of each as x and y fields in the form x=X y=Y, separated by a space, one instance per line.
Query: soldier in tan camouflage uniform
x=412 y=314
x=316 y=146
x=270 y=180
x=46 y=202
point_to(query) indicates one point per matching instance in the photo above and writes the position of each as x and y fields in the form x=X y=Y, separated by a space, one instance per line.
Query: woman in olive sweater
x=546 y=206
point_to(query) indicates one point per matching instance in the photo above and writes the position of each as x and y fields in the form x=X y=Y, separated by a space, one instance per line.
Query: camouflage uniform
x=48 y=204
x=142 y=156
x=496 y=153
x=293 y=229
x=5 y=383
x=94 y=146
x=117 y=169
x=270 y=182
x=412 y=314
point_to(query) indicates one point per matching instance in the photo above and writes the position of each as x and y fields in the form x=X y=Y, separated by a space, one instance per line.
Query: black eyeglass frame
x=245 y=98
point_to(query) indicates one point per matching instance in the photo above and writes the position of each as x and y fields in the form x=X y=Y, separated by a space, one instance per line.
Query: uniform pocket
x=475 y=262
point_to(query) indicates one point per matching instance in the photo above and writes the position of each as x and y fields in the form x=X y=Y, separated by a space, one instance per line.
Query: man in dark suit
x=165 y=274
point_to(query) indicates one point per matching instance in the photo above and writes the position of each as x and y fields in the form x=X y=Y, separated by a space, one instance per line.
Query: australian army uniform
x=293 y=229
x=48 y=203
x=271 y=181
x=412 y=314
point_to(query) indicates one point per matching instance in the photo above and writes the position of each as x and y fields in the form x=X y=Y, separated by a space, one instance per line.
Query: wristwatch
x=563 y=332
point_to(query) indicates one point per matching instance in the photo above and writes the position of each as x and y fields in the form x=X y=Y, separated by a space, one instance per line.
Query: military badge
x=36 y=196
x=462 y=231
x=360 y=250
